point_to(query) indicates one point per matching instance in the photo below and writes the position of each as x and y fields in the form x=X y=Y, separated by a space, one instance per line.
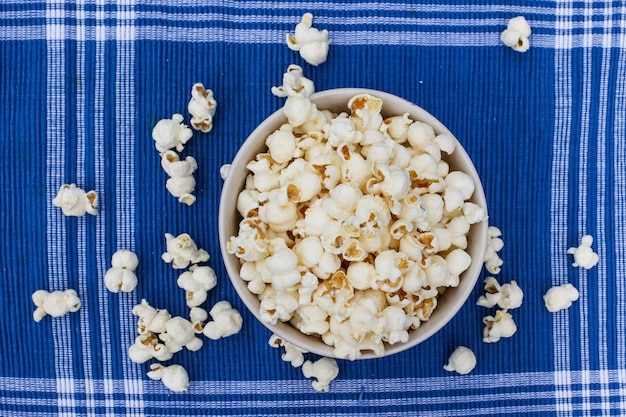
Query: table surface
x=83 y=83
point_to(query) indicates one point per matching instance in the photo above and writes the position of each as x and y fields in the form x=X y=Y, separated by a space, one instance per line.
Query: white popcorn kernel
x=279 y=217
x=560 y=297
x=171 y=134
x=309 y=251
x=397 y=127
x=360 y=275
x=249 y=273
x=458 y=261
x=309 y=41
x=460 y=181
x=474 y=213
x=55 y=303
x=197 y=282
x=420 y=134
x=174 y=377
x=297 y=88
x=121 y=276
x=74 y=201
x=446 y=142
x=248 y=203
x=516 y=34
x=324 y=370
x=314 y=320
x=226 y=321
x=224 y=170
x=293 y=354
x=150 y=319
x=180 y=333
x=343 y=130
x=397 y=325
x=197 y=317
x=462 y=361
x=282 y=266
x=146 y=347
x=502 y=325
x=365 y=112
x=181 y=182
x=584 y=256
x=182 y=250
x=494 y=245
x=281 y=144
x=508 y=296
x=202 y=108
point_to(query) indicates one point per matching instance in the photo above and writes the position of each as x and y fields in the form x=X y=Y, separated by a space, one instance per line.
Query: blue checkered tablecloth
x=82 y=83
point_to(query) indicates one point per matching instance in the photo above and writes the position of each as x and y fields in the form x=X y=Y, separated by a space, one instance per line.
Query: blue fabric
x=82 y=85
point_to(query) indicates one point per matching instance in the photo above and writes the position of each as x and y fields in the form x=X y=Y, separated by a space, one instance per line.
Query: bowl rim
x=288 y=332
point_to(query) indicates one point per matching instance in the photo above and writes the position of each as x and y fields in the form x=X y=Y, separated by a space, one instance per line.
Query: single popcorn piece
x=224 y=169
x=74 y=201
x=202 y=108
x=181 y=333
x=462 y=361
x=516 y=34
x=55 y=303
x=147 y=347
x=324 y=370
x=226 y=321
x=560 y=297
x=121 y=276
x=502 y=325
x=309 y=41
x=507 y=296
x=174 y=377
x=493 y=262
x=150 y=319
x=171 y=134
x=584 y=256
x=182 y=250
x=293 y=354
x=181 y=183
x=297 y=88
x=197 y=282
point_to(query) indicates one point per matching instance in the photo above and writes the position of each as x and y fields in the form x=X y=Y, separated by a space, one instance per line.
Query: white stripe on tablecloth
x=124 y=188
x=619 y=162
x=56 y=237
x=559 y=203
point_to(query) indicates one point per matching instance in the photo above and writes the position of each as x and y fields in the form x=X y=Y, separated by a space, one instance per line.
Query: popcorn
x=171 y=134
x=516 y=34
x=202 y=108
x=179 y=333
x=181 y=182
x=150 y=319
x=226 y=321
x=560 y=297
x=182 y=250
x=584 y=256
x=462 y=361
x=310 y=42
x=55 y=303
x=502 y=325
x=147 y=347
x=74 y=201
x=324 y=370
x=494 y=245
x=507 y=296
x=197 y=282
x=174 y=377
x=293 y=354
x=121 y=276
x=352 y=231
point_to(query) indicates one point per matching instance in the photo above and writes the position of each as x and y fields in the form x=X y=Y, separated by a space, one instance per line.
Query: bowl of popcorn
x=352 y=223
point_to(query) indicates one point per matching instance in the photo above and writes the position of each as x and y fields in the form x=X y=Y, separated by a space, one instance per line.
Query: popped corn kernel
x=202 y=108
x=74 y=201
x=182 y=250
x=584 y=256
x=516 y=34
x=560 y=297
x=507 y=296
x=174 y=377
x=293 y=354
x=121 y=276
x=498 y=326
x=462 y=361
x=309 y=41
x=171 y=134
x=197 y=282
x=55 y=303
x=324 y=370
x=226 y=321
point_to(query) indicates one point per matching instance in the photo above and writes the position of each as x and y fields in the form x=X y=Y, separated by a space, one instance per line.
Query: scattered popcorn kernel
x=182 y=250
x=180 y=333
x=493 y=262
x=293 y=354
x=181 y=182
x=324 y=370
x=502 y=325
x=174 y=377
x=584 y=256
x=202 y=108
x=74 y=201
x=150 y=319
x=507 y=296
x=310 y=42
x=121 y=276
x=297 y=88
x=147 y=347
x=462 y=361
x=55 y=303
x=560 y=297
x=197 y=282
x=224 y=169
x=226 y=321
x=516 y=34
x=171 y=134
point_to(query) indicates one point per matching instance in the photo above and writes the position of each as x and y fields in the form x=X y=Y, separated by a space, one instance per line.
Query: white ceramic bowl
x=336 y=100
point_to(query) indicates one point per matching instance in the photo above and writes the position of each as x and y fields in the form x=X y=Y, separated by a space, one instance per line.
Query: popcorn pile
x=352 y=223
